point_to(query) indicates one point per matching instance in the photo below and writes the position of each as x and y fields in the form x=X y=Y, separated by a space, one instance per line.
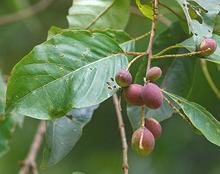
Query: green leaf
x=70 y=70
x=99 y=14
x=215 y=57
x=78 y=173
x=62 y=134
x=205 y=11
x=146 y=9
x=200 y=118
x=180 y=76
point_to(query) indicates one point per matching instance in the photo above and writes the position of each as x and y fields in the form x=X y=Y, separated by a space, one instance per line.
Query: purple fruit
x=208 y=44
x=152 y=96
x=143 y=141
x=132 y=94
x=123 y=78
x=154 y=127
x=154 y=73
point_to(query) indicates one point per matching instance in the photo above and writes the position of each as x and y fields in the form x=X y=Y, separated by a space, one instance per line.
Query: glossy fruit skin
x=152 y=96
x=145 y=145
x=154 y=73
x=132 y=94
x=123 y=78
x=210 y=44
x=154 y=127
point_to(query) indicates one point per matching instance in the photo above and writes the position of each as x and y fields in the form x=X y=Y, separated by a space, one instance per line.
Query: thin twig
x=30 y=11
x=122 y=132
x=209 y=78
x=149 y=51
x=133 y=60
x=29 y=163
x=169 y=48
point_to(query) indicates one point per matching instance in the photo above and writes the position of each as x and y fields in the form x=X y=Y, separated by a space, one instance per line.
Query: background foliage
x=178 y=151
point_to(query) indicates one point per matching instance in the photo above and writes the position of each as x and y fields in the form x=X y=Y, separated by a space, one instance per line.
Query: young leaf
x=99 y=14
x=215 y=57
x=206 y=11
x=200 y=118
x=70 y=70
x=146 y=9
x=62 y=134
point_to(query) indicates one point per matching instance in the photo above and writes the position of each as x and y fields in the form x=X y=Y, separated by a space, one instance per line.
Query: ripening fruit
x=143 y=141
x=154 y=127
x=123 y=78
x=152 y=96
x=210 y=44
x=154 y=73
x=132 y=94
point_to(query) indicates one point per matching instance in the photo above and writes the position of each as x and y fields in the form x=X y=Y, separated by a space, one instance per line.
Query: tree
x=64 y=79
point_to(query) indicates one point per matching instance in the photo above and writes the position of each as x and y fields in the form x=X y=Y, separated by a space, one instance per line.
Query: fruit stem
x=179 y=55
x=209 y=78
x=169 y=48
x=133 y=60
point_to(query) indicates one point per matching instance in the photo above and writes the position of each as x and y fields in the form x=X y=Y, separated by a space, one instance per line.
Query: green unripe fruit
x=143 y=141
x=208 y=44
x=152 y=96
x=154 y=73
x=123 y=78
x=154 y=127
x=132 y=94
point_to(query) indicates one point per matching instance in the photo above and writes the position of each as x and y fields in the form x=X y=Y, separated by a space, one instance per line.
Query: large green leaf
x=100 y=14
x=206 y=11
x=62 y=134
x=70 y=70
x=215 y=57
x=200 y=118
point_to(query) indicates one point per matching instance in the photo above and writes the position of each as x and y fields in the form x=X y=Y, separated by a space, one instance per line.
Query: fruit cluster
x=150 y=95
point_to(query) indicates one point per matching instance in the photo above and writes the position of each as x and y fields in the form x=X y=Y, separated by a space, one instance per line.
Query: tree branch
x=32 y=10
x=122 y=132
x=29 y=163
x=149 y=51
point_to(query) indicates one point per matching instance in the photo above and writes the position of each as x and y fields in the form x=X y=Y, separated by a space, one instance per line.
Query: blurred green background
x=178 y=151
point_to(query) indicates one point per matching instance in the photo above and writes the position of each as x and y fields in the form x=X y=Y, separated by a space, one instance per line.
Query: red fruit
x=152 y=96
x=132 y=94
x=154 y=73
x=154 y=127
x=143 y=141
x=123 y=78
x=210 y=44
